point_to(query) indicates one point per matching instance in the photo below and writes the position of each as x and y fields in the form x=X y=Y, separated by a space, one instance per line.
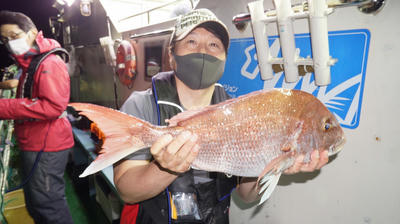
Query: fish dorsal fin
x=179 y=119
x=183 y=116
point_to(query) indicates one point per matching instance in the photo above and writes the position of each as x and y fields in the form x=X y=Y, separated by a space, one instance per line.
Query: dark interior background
x=38 y=10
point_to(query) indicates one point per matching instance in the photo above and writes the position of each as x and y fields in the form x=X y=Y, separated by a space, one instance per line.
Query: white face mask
x=18 y=46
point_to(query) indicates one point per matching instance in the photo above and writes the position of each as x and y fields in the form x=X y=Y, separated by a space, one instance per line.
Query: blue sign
x=343 y=96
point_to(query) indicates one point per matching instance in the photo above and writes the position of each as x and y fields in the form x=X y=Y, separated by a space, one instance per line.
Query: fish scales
x=240 y=137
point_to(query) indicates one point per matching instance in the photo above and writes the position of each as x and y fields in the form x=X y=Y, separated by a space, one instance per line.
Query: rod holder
x=284 y=15
x=258 y=22
x=318 y=12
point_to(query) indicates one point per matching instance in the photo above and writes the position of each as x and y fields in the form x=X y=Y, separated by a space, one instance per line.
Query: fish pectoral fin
x=287 y=147
x=291 y=144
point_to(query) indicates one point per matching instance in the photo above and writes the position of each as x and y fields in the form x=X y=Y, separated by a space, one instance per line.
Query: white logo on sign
x=243 y=71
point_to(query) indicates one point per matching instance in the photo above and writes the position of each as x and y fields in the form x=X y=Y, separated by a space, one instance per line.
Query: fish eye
x=327 y=125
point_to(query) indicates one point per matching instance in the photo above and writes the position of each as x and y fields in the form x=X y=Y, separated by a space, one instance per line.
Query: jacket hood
x=45 y=44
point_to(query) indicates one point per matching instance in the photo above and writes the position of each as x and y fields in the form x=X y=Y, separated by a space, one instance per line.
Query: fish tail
x=120 y=134
x=117 y=144
x=268 y=179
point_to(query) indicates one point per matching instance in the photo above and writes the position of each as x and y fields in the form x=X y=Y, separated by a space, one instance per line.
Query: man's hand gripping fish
x=255 y=135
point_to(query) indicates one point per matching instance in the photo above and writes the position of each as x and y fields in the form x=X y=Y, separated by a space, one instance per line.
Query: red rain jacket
x=50 y=96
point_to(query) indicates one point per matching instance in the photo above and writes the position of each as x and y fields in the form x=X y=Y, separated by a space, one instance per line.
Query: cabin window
x=153 y=60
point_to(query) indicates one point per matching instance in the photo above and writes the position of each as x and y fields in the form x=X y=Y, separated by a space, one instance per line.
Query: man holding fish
x=158 y=182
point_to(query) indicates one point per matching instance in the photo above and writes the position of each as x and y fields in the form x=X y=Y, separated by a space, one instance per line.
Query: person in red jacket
x=43 y=133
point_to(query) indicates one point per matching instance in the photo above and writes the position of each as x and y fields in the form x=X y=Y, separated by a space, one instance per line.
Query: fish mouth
x=334 y=149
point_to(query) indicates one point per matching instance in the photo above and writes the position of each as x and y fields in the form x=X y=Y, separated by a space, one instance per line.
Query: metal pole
x=149 y=10
x=365 y=6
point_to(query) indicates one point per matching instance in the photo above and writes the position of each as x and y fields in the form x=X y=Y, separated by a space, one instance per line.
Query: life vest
x=213 y=197
x=126 y=63
x=34 y=65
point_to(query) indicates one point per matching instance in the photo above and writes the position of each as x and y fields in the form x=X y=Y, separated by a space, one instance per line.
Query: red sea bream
x=255 y=135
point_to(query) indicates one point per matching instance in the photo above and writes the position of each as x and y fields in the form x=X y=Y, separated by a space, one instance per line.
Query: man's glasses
x=4 y=40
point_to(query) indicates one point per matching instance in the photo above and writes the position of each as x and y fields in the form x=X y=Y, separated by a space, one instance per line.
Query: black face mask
x=199 y=71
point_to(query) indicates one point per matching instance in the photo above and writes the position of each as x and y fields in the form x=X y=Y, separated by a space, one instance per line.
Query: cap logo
x=194 y=18
x=186 y=23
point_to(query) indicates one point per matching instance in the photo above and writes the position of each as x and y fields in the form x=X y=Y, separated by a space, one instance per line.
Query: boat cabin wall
x=91 y=77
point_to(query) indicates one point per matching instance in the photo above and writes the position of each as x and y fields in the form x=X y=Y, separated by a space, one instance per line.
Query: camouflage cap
x=186 y=23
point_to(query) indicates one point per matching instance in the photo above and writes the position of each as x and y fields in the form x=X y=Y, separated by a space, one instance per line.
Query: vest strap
x=34 y=65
